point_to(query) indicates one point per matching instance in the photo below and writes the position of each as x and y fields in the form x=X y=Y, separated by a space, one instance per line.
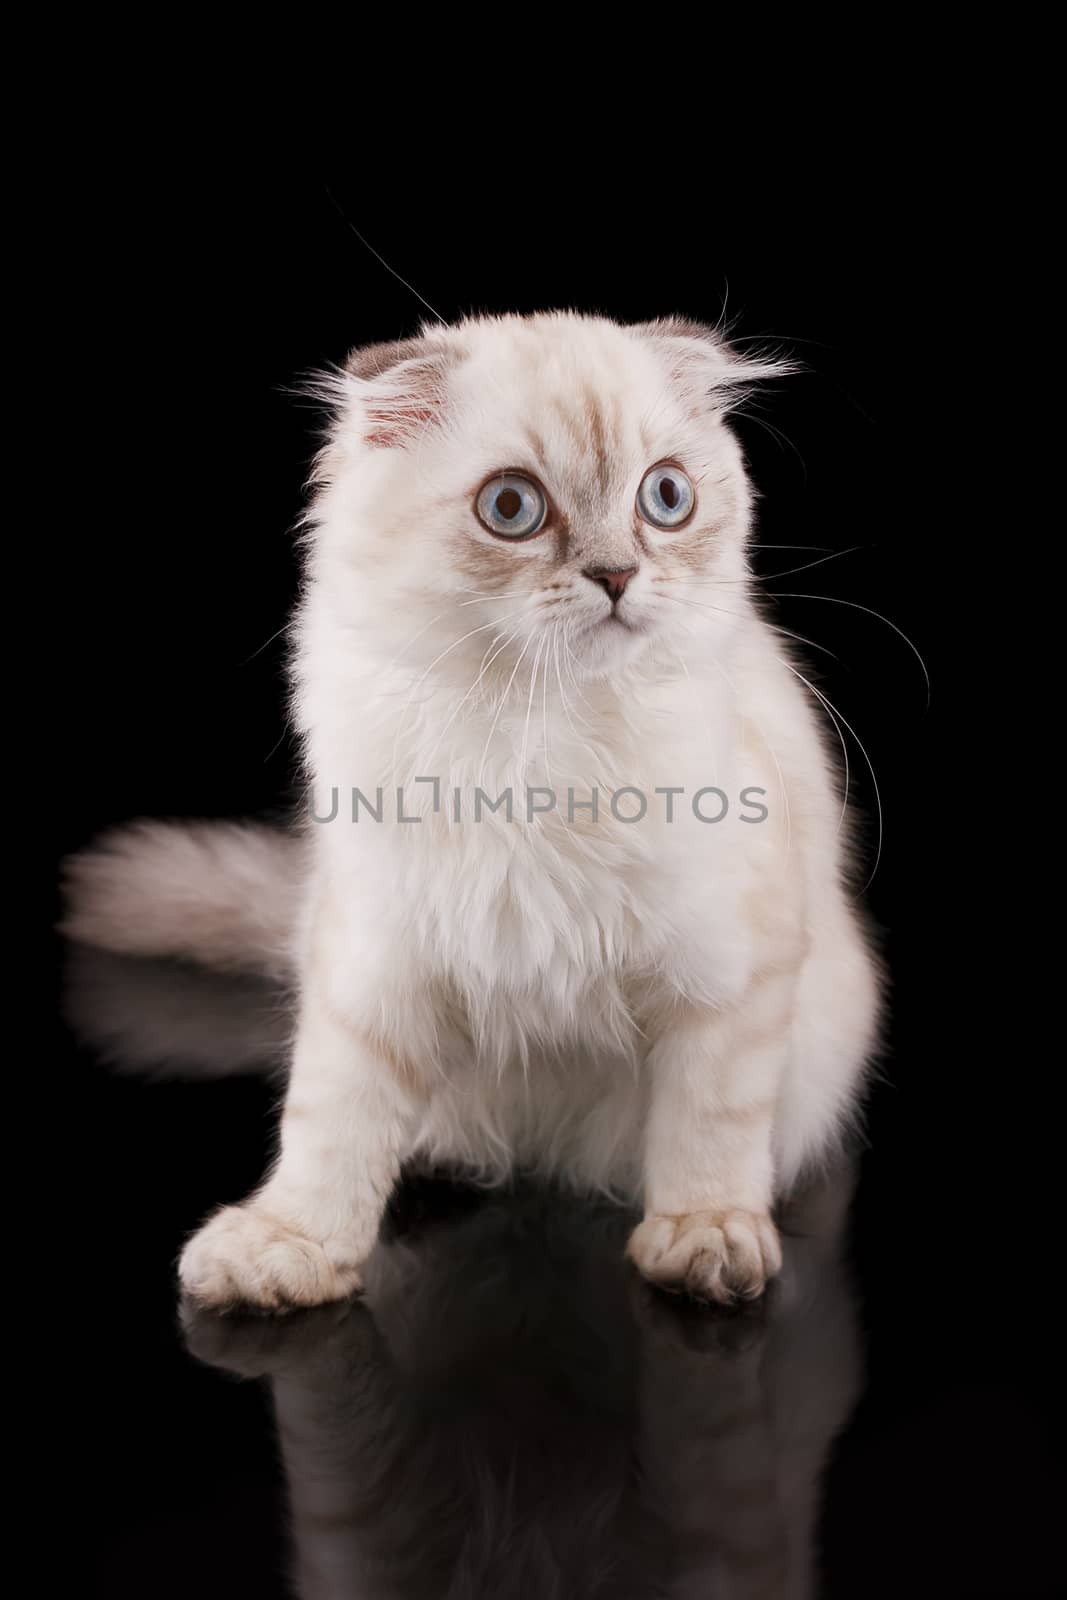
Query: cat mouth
x=612 y=623
x=613 y=619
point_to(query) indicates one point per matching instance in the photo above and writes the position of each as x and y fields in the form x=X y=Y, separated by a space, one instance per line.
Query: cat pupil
x=668 y=490
x=509 y=504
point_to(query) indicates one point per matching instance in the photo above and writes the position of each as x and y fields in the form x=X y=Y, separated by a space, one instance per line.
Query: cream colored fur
x=679 y=1011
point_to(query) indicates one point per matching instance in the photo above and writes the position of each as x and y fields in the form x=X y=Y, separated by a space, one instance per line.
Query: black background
x=207 y=292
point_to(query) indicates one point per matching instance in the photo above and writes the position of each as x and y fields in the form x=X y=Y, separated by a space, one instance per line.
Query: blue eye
x=666 y=497
x=511 y=506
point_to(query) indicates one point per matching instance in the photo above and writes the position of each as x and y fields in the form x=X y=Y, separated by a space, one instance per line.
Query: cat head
x=526 y=475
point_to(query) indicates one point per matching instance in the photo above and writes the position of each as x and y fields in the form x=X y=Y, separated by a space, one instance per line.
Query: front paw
x=246 y=1257
x=711 y=1255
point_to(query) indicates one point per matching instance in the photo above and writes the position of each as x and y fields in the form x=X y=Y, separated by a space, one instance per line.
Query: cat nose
x=612 y=580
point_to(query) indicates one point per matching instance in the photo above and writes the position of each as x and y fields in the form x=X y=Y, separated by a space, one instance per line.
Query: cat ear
x=397 y=389
x=703 y=363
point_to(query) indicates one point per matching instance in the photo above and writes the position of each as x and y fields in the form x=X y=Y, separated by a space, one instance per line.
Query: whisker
x=774 y=626
x=776 y=434
x=582 y=745
x=260 y=648
x=783 y=791
x=830 y=711
x=494 y=594
x=459 y=606
x=569 y=658
x=855 y=605
x=435 y=662
x=524 y=748
x=769 y=577
x=379 y=257
x=549 y=774
x=418 y=635
x=874 y=781
x=500 y=706
x=491 y=655
x=737 y=700
x=801 y=637
x=702 y=605
x=544 y=711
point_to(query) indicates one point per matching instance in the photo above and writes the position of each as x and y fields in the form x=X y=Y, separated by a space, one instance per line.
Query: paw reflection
x=512 y=1411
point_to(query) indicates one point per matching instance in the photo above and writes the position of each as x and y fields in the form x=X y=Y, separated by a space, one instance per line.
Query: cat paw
x=711 y=1255
x=246 y=1257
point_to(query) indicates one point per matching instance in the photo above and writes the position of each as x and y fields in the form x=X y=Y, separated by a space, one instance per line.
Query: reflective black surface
x=510 y=1411
x=882 y=1426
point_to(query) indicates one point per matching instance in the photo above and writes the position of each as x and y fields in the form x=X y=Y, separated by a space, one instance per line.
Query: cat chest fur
x=557 y=931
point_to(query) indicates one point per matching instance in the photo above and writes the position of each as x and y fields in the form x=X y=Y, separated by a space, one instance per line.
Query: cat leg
x=350 y=1113
x=714 y=1079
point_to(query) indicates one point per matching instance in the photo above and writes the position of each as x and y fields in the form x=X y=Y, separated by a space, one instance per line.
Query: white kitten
x=527 y=573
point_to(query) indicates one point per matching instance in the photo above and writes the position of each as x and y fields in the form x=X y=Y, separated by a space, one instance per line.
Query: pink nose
x=612 y=580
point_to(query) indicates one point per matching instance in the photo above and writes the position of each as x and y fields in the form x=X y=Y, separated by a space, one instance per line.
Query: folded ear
x=704 y=364
x=398 y=388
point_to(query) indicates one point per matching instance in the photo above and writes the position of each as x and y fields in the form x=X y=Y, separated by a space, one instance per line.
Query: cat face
x=555 y=475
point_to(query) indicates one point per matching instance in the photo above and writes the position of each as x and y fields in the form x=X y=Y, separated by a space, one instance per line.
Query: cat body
x=572 y=898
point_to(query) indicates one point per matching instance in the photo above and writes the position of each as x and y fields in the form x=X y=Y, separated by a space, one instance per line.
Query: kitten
x=527 y=577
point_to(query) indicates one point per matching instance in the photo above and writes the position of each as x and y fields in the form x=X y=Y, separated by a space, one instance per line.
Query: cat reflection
x=509 y=1411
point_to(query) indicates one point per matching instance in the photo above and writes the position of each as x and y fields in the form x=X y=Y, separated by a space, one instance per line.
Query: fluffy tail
x=220 y=893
